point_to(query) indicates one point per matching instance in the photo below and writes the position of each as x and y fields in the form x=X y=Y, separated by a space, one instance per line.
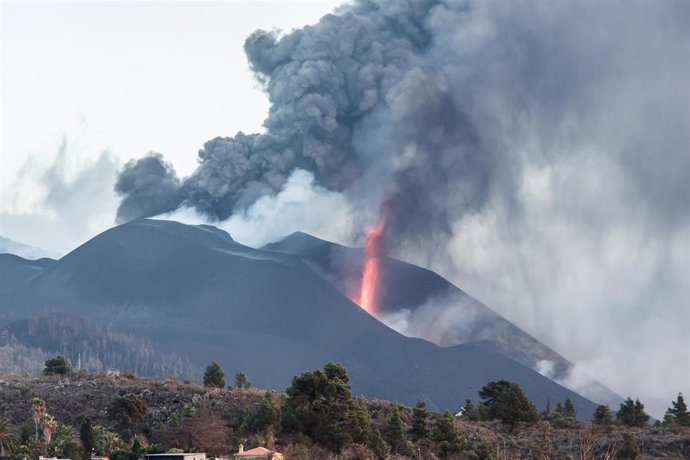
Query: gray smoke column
x=150 y=187
x=352 y=102
x=411 y=102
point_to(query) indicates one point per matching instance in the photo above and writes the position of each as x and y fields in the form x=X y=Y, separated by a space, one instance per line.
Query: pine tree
x=377 y=445
x=267 y=414
x=469 y=411
x=394 y=432
x=87 y=437
x=631 y=413
x=214 y=376
x=507 y=402
x=241 y=381
x=641 y=417
x=669 y=418
x=58 y=365
x=569 y=408
x=546 y=413
x=420 y=422
x=319 y=404
x=629 y=449
x=680 y=411
x=360 y=422
x=602 y=416
x=447 y=437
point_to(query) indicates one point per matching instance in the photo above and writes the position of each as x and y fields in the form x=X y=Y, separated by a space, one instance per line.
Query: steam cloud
x=536 y=138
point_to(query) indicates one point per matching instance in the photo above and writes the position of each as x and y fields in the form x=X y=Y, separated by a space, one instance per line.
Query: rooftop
x=254 y=452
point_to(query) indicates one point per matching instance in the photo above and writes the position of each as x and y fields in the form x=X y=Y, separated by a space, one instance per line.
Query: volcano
x=420 y=303
x=274 y=312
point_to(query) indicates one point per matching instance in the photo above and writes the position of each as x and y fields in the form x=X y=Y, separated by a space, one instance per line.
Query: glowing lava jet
x=370 y=273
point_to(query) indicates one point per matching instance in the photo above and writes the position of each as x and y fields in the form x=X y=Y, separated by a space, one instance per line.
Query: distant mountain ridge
x=196 y=293
x=25 y=251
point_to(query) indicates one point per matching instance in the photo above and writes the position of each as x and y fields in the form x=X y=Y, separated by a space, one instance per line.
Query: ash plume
x=150 y=186
x=351 y=102
x=533 y=152
x=400 y=99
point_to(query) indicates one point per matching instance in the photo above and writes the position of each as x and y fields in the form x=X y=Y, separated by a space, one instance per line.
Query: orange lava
x=370 y=273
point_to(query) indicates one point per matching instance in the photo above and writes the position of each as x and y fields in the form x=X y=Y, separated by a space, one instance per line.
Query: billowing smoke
x=536 y=153
x=353 y=102
x=150 y=187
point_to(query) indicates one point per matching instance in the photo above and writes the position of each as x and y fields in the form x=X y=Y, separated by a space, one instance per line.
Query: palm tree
x=111 y=441
x=8 y=438
x=39 y=409
x=49 y=425
x=65 y=436
x=105 y=441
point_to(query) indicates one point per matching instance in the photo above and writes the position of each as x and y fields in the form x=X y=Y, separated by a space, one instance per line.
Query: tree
x=631 y=413
x=469 y=412
x=506 y=401
x=447 y=437
x=679 y=411
x=377 y=445
x=669 y=419
x=9 y=442
x=267 y=414
x=394 y=432
x=87 y=437
x=602 y=416
x=202 y=432
x=38 y=410
x=127 y=411
x=546 y=413
x=49 y=425
x=491 y=392
x=65 y=440
x=629 y=450
x=569 y=409
x=241 y=381
x=360 y=422
x=319 y=404
x=483 y=450
x=214 y=376
x=106 y=442
x=59 y=365
x=420 y=422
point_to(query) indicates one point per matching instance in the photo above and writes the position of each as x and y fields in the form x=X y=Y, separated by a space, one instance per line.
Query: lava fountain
x=370 y=271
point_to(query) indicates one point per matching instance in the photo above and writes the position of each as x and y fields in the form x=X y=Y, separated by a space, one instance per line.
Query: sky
x=93 y=84
x=534 y=153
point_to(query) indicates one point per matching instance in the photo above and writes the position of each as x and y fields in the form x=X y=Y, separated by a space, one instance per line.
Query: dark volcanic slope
x=195 y=292
x=405 y=286
x=16 y=272
x=436 y=310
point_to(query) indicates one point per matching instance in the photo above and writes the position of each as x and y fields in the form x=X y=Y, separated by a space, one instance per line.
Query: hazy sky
x=120 y=77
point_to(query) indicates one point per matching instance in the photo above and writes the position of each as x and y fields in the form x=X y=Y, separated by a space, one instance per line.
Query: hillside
x=26 y=344
x=193 y=292
x=175 y=412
